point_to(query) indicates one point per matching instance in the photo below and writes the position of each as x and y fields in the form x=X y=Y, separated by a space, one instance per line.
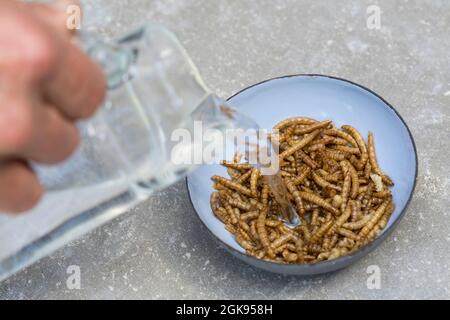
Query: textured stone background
x=159 y=250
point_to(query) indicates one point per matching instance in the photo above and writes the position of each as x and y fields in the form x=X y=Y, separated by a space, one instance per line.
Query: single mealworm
x=254 y=182
x=237 y=166
x=243 y=177
x=341 y=134
x=374 y=219
x=345 y=191
x=312 y=127
x=306 y=159
x=355 y=180
x=348 y=234
x=262 y=232
x=324 y=183
x=337 y=252
x=300 y=178
x=347 y=149
x=232 y=185
x=322 y=230
x=302 y=143
x=249 y=215
x=296 y=195
x=335 y=154
x=244 y=243
x=239 y=204
x=360 y=142
x=294 y=121
x=382 y=194
x=341 y=220
x=319 y=201
x=281 y=240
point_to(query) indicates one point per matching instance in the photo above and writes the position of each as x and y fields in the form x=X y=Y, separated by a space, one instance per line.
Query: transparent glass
x=126 y=148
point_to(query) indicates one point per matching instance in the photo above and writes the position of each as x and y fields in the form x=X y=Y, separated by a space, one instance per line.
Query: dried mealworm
x=231 y=212
x=383 y=194
x=324 y=183
x=323 y=256
x=233 y=173
x=302 y=176
x=222 y=214
x=302 y=143
x=335 y=140
x=256 y=205
x=273 y=223
x=355 y=179
x=230 y=228
x=319 y=201
x=314 y=217
x=357 y=224
x=294 y=121
x=361 y=144
x=265 y=195
x=289 y=256
x=214 y=200
x=244 y=234
x=244 y=243
x=306 y=233
x=335 y=177
x=341 y=134
x=377 y=180
x=281 y=240
x=362 y=190
x=253 y=231
x=232 y=185
x=249 y=215
x=296 y=195
x=341 y=220
x=373 y=160
x=374 y=219
x=337 y=201
x=331 y=165
x=348 y=234
x=345 y=191
x=254 y=182
x=322 y=230
x=237 y=166
x=335 y=154
x=347 y=149
x=314 y=248
x=337 y=252
x=243 y=177
x=239 y=204
x=356 y=211
x=273 y=235
x=262 y=232
x=334 y=240
x=244 y=226
x=367 y=170
x=312 y=127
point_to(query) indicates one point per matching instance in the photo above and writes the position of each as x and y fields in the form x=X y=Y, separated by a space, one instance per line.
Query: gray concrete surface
x=159 y=250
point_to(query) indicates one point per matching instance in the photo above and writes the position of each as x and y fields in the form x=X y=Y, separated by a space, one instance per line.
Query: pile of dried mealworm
x=334 y=183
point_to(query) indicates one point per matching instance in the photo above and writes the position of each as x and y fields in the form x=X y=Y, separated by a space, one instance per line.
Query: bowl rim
x=361 y=252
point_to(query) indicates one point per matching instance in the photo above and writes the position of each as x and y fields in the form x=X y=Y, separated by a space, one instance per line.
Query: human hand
x=46 y=84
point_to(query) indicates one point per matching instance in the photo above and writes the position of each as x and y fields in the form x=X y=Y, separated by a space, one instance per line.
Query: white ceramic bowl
x=319 y=97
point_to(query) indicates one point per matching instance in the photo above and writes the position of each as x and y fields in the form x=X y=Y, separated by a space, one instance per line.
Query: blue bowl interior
x=321 y=98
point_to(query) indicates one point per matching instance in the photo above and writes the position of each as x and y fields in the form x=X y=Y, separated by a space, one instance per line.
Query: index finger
x=76 y=84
